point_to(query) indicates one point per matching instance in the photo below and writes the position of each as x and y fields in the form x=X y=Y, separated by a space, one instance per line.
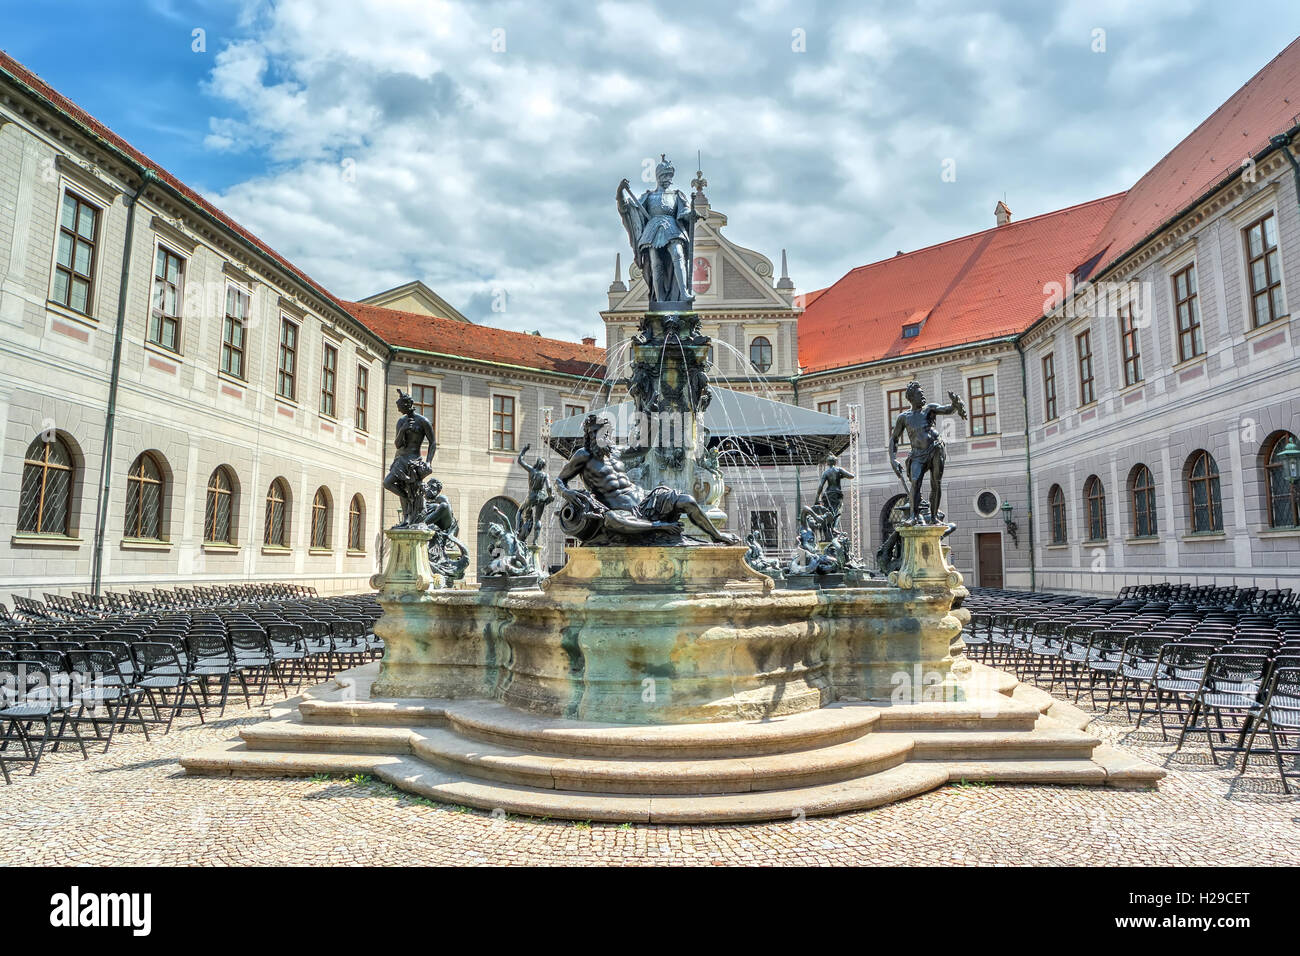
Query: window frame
x=158 y=318
x=357 y=524
x=46 y=466
x=1058 y=520
x=319 y=539
x=497 y=422
x=287 y=350
x=329 y=380
x=1271 y=281
x=893 y=412
x=363 y=397
x=1050 y=410
x=136 y=482
x=1094 y=498
x=231 y=323
x=1190 y=333
x=1130 y=347
x=274 y=503
x=1213 y=492
x=983 y=416
x=1084 y=355
x=1277 y=443
x=761 y=368
x=829 y=407
x=1142 y=502
x=210 y=515
x=417 y=389
x=70 y=270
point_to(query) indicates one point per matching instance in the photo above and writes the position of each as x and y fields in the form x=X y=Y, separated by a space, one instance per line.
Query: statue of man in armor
x=927 y=453
x=661 y=229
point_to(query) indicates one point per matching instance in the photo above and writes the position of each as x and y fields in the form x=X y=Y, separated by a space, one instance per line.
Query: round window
x=987 y=504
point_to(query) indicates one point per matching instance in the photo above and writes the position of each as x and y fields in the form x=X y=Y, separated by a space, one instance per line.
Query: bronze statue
x=831 y=496
x=807 y=559
x=927 y=452
x=509 y=556
x=661 y=229
x=539 y=496
x=613 y=510
x=440 y=519
x=756 y=558
x=408 y=470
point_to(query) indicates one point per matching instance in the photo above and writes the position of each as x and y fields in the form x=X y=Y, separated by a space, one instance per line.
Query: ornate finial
x=784 y=282
x=699 y=182
x=617 y=285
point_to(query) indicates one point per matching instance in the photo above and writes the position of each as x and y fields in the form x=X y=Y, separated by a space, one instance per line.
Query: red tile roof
x=1267 y=105
x=979 y=287
x=413 y=330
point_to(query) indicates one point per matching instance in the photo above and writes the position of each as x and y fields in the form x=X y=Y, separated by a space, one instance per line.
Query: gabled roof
x=980 y=287
x=97 y=130
x=418 y=293
x=1267 y=105
x=481 y=343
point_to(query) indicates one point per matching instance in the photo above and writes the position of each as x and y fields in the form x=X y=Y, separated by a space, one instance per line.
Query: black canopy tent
x=748 y=428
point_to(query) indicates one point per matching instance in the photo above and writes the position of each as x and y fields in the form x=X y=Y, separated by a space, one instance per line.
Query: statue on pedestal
x=830 y=495
x=661 y=229
x=613 y=510
x=539 y=497
x=927 y=454
x=407 y=472
x=807 y=559
x=441 y=520
x=756 y=558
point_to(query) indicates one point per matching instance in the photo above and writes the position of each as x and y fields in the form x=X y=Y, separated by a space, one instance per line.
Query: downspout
x=1029 y=477
x=106 y=461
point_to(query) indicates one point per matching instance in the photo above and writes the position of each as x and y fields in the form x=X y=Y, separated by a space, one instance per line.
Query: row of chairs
x=79 y=605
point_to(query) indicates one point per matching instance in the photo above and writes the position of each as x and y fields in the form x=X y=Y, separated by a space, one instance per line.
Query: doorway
x=988 y=559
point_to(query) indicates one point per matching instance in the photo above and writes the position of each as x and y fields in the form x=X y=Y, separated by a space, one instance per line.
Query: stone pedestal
x=407 y=572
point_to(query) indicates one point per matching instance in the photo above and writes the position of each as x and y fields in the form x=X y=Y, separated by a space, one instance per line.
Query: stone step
x=1040 y=744
x=471 y=758
x=292 y=734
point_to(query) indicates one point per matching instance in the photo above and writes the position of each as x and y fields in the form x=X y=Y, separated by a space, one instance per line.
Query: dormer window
x=912 y=330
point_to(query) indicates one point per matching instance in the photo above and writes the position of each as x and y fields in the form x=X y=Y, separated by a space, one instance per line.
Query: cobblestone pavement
x=135 y=806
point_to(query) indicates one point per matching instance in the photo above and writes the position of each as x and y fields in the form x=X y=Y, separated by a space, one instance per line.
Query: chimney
x=1002 y=213
x=588 y=340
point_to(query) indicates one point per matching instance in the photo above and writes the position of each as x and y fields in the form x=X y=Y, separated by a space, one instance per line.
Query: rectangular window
x=1264 y=271
x=1130 y=348
x=764 y=522
x=1083 y=346
x=74 y=263
x=232 y=332
x=982 y=407
x=426 y=403
x=503 y=423
x=165 y=316
x=363 y=396
x=896 y=399
x=829 y=408
x=571 y=410
x=286 y=375
x=328 y=372
x=1049 y=387
x=1187 y=308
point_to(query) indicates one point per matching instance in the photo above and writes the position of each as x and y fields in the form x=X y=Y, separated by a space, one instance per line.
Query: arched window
x=1142 y=497
x=1203 y=492
x=218 y=515
x=760 y=354
x=320 y=519
x=1095 y=497
x=1283 y=496
x=276 y=533
x=45 y=501
x=1056 y=507
x=144 y=498
x=357 y=524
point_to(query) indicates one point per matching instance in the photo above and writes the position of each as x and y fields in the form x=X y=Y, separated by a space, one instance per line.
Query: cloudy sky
x=476 y=146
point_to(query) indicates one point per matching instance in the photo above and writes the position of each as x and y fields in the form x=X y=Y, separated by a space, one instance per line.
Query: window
x=144 y=495
x=1142 y=492
x=45 y=501
x=232 y=332
x=503 y=423
x=287 y=366
x=320 y=519
x=1283 y=497
x=571 y=411
x=829 y=408
x=1083 y=345
x=328 y=371
x=276 y=531
x=426 y=403
x=760 y=354
x=1130 y=348
x=1187 y=309
x=74 y=262
x=912 y=331
x=363 y=396
x=1056 y=507
x=1049 y=387
x=1262 y=268
x=1094 y=495
x=356 y=524
x=1203 y=493
x=896 y=399
x=165 y=316
x=983 y=410
x=764 y=522
x=218 y=515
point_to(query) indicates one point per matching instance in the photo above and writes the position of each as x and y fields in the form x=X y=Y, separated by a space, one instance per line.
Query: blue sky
x=477 y=146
